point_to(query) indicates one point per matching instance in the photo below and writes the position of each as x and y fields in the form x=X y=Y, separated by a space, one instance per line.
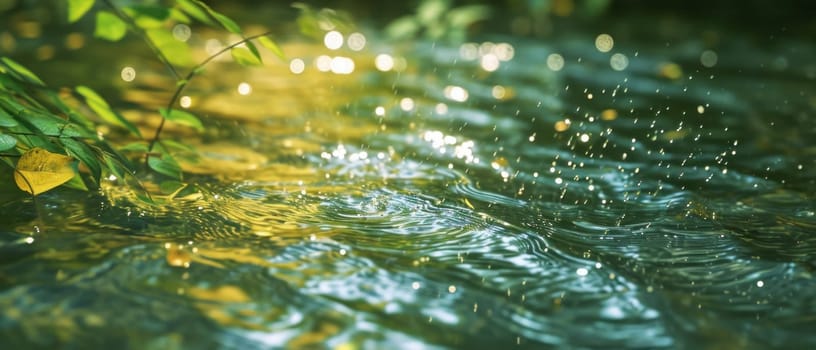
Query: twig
x=134 y=28
x=183 y=82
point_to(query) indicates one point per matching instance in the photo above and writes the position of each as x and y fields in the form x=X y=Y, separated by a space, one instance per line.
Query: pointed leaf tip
x=78 y=8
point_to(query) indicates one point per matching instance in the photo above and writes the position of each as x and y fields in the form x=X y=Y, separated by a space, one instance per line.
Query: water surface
x=485 y=195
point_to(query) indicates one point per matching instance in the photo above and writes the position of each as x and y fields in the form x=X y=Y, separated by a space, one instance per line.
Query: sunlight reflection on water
x=484 y=194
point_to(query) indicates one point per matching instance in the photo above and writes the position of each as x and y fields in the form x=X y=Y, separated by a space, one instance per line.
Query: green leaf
x=179 y=16
x=195 y=11
x=272 y=46
x=72 y=130
x=432 y=10
x=244 y=57
x=182 y=117
x=116 y=167
x=82 y=152
x=102 y=108
x=9 y=82
x=148 y=16
x=22 y=71
x=254 y=50
x=307 y=21
x=171 y=187
x=78 y=8
x=109 y=27
x=403 y=27
x=76 y=183
x=81 y=120
x=178 y=146
x=144 y=196
x=464 y=16
x=6 y=120
x=44 y=123
x=314 y=24
x=7 y=142
x=140 y=146
x=177 y=52
x=165 y=165
x=225 y=21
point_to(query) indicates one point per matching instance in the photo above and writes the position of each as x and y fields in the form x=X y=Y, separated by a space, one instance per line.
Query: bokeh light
x=356 y=41
x=604 y=43
x=384 y=62
x=297 y=66
x=128 y=74
x=708 y=58
x=182 y=32
x=333 y=40
x=555 y=62
x=244 y=88
x=619 y=61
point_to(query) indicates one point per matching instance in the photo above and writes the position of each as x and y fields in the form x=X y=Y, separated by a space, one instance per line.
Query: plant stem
x=134 y=28
x=183 y=83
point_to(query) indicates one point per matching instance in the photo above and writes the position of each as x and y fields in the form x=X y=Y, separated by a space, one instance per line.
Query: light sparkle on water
x=456 y=93
x=384 y=62
x=244 y=88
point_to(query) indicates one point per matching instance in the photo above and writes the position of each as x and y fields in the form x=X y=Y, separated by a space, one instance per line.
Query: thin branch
x=183 y=82
x=134 y=28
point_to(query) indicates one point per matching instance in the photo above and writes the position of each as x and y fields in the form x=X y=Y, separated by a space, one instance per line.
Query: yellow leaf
x=39 y=170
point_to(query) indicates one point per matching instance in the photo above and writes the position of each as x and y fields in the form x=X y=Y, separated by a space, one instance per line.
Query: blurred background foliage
x=35 y=31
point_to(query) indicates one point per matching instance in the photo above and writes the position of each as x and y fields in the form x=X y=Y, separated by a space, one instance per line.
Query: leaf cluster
x=54 y=135
x=438 y=20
